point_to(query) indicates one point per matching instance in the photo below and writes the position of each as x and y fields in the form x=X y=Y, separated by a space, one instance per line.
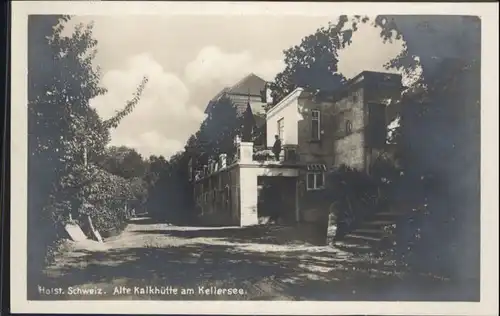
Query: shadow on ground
x=249 y=259
x=263 y=234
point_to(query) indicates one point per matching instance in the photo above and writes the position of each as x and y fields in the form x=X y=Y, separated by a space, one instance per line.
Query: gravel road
x=157 y=261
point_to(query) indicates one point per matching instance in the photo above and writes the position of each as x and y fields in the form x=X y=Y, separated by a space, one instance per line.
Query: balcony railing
x=248 y=153
x=288 y=154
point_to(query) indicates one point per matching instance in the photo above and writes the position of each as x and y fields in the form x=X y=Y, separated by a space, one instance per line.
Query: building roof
x=219 y=95
x=251 y=85
x=344 y=88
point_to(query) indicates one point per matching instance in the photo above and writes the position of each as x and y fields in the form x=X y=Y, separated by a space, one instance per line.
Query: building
x=250 y=96
x=319 y=132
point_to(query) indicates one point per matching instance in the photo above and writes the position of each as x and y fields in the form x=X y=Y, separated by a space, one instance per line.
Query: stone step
x=358 y=247
x=362 y=244
x=361 y=238
x=371 y=232
x=353 y=246
x=378 y=223
x=390 y=212
x=386 y=216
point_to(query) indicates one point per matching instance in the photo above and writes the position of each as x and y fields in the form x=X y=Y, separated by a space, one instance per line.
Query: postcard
x=261 y=158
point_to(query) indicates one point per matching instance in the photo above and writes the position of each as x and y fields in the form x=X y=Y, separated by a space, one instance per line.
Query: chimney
x=223 y=161
x=246 y=152
x=269 y=98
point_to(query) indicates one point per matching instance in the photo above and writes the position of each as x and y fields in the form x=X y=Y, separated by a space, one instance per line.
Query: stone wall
x=312 y=151
x=346 y=126
x=336 y=146
x=248 y=182
x=349 y=135
x=217 y=198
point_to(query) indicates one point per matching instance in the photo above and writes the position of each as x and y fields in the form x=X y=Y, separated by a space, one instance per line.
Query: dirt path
x=157 y=261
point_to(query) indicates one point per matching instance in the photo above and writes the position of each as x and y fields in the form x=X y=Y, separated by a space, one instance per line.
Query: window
x=377 y=125
x=315 y=124
x=348 y=127
x=281 y=128
x=315 y=181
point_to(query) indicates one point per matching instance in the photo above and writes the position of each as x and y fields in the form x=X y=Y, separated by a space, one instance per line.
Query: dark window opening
x=348 y=127
x=315 y=125
x=377 y=124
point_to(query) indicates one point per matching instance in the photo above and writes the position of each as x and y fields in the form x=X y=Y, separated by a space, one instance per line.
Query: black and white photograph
x=213 y=152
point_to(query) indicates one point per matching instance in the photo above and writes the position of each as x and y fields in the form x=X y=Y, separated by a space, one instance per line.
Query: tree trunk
x=94 y=231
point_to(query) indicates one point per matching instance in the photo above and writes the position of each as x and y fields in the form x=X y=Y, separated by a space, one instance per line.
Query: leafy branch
x=115 y=120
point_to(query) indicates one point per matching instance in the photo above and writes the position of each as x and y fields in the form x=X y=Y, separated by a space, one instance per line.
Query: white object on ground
x=75 y=232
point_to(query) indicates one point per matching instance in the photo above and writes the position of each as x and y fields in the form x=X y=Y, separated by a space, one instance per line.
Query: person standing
x=277 y=147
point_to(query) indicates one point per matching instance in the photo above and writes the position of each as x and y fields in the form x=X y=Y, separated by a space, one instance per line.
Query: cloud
x=171 y=108
x=162 y=120
x=367 y=52
x=214 y=65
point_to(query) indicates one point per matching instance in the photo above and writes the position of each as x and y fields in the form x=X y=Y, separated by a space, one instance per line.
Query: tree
x=170 y=193
x=65 y=135
x=439 y=127
x=61 y=81
x=123 y=161
x=439 y=137
x=217 y=133
x=312 y=64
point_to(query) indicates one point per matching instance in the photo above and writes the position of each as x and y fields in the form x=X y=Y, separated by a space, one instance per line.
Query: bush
x=263 y=155
x=355 y=194
x=107 y=199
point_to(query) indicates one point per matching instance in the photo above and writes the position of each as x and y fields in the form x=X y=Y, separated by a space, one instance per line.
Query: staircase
x=371 y=235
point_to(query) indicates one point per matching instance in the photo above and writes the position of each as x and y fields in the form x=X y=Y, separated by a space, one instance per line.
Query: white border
x=489 y=160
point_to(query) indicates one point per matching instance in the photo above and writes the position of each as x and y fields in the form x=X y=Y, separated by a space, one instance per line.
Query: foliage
x=123 y=161
x=355 y=194
x=170 y=193
x=263 y=155
x=58 y=67
x=155 y=166
x=217 y=132
x=66 y=136
x=115 y=120
x=434 y=173
x=105 y=199
x=438 y=139
x=312 y=64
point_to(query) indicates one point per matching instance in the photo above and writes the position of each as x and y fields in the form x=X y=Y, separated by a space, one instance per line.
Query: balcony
x=265 y=154
x=249 y=154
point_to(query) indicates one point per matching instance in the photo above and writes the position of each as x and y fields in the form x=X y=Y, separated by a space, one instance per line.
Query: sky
x=189 y=59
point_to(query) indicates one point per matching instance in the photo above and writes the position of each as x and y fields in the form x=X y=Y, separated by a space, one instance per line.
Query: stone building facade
x=351 y=131
x=319 y=132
